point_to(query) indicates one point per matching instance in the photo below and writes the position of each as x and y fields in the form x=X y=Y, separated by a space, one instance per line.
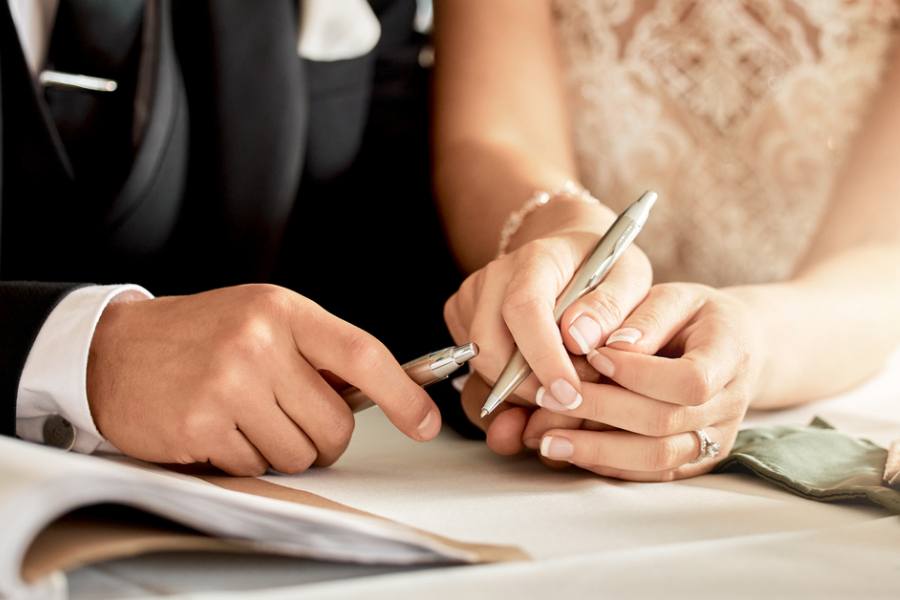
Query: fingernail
x=602 y=364
x=546 y=400
x=629 y=335
x=429 y=426
x=557 y=448
x=586 y=332
x=532 y=443
x=562 y=393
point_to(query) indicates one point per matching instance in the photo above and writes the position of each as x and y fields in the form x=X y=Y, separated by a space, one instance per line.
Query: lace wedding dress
x=738 y=112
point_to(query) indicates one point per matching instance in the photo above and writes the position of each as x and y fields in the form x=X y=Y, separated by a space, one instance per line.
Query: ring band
x=708 y=448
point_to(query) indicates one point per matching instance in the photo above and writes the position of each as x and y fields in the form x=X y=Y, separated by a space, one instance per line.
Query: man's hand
x=232 y=377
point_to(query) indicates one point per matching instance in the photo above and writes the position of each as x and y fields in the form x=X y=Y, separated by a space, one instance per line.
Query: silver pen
x=588 y=276
x=424 y=370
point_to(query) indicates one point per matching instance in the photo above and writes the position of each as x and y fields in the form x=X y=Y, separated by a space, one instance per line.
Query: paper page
x=38 y=484
x=460 y=489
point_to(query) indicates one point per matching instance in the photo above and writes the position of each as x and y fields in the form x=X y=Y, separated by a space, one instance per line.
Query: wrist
x=776 y=357
x=105 y=346
x=564 y=214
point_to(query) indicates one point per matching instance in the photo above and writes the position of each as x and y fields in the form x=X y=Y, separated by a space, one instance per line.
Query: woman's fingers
x=539 y=423
x=542 y=421
x=617 y=407
x=590 y=320
x=523 y=289
x=724 y=435
x=504 y=435
x=683 y=472
x=472 y=398
x=624 y=450
x=542 y=269
x=503 y=427
x=663 y=313
x=691 y=380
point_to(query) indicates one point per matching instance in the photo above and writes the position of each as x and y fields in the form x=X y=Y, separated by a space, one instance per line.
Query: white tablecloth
x=717 y=535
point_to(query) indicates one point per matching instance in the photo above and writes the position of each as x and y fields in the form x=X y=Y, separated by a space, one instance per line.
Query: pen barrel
x=513 y=375
x=587 y=277
x=357 y=400
x=596 y=266
x=419 y=370
x=424 y=370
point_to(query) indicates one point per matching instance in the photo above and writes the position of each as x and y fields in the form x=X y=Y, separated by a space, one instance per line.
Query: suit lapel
x=37 y=176
x=248 y=100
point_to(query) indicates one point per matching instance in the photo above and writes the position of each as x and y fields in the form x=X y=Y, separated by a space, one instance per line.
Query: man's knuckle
x=364 y=350
x=251 y=337
x=270 y=298
x=342 y=431
x=198 y=425
x=296 y=461
x=250 y=469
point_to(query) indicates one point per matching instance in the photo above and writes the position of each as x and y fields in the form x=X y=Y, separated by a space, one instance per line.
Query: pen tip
x=648 y=199
x=484 y=412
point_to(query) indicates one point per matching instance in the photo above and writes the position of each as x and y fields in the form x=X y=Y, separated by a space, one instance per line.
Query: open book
x=40 y=487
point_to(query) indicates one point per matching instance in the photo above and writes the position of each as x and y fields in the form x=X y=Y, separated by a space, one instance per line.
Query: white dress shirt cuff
x=54 y=381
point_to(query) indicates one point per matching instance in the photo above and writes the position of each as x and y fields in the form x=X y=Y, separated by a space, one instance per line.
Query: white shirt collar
x=329 y=29
x=34 y=22
x=337 y=29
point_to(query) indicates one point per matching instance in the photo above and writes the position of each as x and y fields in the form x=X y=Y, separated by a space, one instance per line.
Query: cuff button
x=59 y=433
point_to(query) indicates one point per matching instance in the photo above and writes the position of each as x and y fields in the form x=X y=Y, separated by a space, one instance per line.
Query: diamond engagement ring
x=708 y=448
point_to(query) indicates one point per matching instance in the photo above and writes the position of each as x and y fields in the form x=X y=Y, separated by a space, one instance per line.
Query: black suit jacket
x=240 y=136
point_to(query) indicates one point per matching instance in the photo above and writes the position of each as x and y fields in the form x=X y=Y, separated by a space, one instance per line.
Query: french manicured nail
x=544 y=399
x=556 y=448
x=629 y=335
x=532 y=443
x=602 y=364
x=427 y=428
x=560 y=396
x=586 y=332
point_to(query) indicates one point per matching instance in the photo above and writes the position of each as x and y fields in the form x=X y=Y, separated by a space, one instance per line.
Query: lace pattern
x=738 y=112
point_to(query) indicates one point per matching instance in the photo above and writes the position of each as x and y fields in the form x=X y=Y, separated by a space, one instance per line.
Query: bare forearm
x=500 y=127
x=478 y=185
x=839 y=317
x=829 y=329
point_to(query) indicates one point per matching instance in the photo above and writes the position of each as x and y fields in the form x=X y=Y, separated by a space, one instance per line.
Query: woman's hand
x=511 y=300
x=688 y=358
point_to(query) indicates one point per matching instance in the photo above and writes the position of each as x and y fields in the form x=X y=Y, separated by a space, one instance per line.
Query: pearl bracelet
x=569 y=189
